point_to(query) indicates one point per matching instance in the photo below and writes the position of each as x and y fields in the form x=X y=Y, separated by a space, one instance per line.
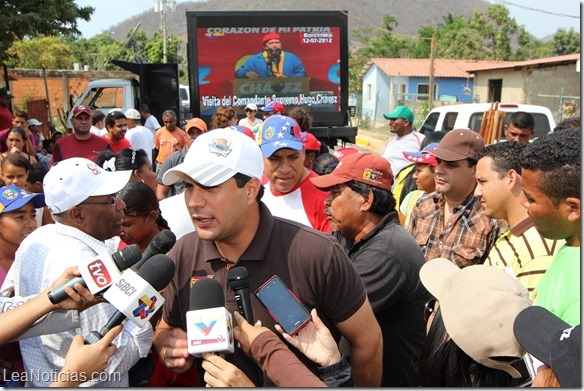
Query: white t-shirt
x=393 y=148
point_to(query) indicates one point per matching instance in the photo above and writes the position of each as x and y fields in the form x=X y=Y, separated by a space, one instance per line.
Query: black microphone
x=209 y=324
x=98 y=272
x=238 y=280
x=160 y=244
x=158 y=272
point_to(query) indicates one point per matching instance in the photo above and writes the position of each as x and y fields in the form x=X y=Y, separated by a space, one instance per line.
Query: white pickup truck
x=470 y=116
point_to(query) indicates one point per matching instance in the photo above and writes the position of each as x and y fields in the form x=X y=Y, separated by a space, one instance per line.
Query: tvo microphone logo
x=99 y=273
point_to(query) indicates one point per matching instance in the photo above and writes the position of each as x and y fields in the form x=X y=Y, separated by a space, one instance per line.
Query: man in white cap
x=87 y=211
x=138 y=136
x=222 y=174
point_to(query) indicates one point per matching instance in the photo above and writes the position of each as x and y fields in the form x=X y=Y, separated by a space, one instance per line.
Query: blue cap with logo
x=278 y=132
x=13 y=197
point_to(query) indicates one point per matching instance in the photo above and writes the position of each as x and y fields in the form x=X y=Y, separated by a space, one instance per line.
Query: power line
x=540 y=10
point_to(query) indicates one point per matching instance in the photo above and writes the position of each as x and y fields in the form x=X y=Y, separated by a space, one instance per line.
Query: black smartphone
x=282 y=305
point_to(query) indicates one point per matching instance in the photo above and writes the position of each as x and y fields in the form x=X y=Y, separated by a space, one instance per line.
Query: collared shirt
x=464 y=239
x=310 y=263
x=524 y=253
x=39 y=260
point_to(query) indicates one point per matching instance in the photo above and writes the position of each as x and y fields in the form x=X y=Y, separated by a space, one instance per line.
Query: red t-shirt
x=119 y=146
x=68 y=147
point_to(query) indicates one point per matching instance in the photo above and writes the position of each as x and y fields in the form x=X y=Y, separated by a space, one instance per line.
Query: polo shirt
x=464 y=239
x=311 y=264
x=524 y=251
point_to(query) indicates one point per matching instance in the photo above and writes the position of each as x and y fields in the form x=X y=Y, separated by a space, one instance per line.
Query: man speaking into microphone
x=87 y=211
x=271 y=62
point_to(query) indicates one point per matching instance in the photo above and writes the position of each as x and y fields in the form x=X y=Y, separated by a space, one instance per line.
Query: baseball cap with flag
x=366 y=168
x=422 y=156
x=278 y=132
x=273 y=106
x=13 y=197
x=216 y=156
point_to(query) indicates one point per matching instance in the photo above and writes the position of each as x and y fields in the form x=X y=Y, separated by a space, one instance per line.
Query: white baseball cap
x=132 y=114
x=34 y=122
x=72 y=181
x=218 y=155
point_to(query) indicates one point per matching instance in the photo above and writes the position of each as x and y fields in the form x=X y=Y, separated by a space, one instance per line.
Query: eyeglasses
x=429 y=309
x=109 y=202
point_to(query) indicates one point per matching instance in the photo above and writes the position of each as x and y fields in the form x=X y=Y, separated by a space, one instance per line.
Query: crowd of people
x=440 y=262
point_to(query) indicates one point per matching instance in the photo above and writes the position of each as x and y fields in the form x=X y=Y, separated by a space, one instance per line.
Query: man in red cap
x=271 y=62
x=361 y=209
x=81 y=143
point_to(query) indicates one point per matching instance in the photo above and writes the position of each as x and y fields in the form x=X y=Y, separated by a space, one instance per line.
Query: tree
x=30 y=18
x=38 y=53
x=566 y=42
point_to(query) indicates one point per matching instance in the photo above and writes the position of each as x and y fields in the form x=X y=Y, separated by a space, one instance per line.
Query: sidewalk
x=372 y=141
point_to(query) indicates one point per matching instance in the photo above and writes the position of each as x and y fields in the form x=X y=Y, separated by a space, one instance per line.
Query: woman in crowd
x=224 y=116
x=15 y=141
x=129 y=159
x=470 y=340
x=142 y=218
x=250 y=120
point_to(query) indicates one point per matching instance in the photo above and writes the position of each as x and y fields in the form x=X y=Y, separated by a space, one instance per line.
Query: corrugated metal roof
x=539 y=61
x=421 y=67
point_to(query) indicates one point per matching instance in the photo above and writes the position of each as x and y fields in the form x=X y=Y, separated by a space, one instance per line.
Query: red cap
x=272 y=107
x=339 y=153
x=81 y=109
x=269 y=36
x=366 y=168
x=311 y=143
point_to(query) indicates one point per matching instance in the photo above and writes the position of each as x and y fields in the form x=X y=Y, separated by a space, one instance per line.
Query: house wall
x=380 y=93
x=525 y=85
x=445 y=86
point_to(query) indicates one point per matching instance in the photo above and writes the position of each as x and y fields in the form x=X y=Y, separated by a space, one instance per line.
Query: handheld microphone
x=209 y=324
x=98 y=274
x=238 y=281
x=160 y=244
x=136 y=296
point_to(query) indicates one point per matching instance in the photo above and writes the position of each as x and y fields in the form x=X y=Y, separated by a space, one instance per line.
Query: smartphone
x=527 y=371
x=282 y=305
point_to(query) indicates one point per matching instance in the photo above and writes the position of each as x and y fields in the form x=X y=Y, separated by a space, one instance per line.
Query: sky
x=547 y=17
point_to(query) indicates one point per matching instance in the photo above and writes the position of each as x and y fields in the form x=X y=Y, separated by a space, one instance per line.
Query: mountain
x=410 y=14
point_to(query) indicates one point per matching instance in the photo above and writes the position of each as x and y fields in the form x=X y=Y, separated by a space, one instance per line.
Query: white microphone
x=98 y=273
x=209 y=324
x=135 y=295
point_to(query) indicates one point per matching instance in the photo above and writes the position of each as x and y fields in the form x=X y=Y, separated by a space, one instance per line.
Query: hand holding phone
x=282 y=305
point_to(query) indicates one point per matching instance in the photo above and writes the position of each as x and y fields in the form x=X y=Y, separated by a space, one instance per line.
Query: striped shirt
x=464 y=239
x=525 y=251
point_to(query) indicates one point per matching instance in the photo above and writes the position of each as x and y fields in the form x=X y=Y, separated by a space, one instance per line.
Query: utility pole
x=431 y=86
x=163 y=6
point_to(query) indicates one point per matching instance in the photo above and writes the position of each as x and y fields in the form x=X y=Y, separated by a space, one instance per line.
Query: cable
x=540 y=10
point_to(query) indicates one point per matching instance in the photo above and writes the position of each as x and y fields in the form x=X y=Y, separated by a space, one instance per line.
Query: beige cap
x=479 y=305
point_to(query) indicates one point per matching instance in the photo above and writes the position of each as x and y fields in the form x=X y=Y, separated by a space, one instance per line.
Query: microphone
x=135 y=295
x=238 y=281
x=209 y=324
x=98 y=273
x=160 y=244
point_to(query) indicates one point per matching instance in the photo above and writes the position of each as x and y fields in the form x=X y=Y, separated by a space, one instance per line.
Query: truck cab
x=155 y=84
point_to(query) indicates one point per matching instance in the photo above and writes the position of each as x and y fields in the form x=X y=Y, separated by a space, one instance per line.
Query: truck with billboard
x=220 y=43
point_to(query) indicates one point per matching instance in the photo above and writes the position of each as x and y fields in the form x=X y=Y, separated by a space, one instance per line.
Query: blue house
x=390 y=82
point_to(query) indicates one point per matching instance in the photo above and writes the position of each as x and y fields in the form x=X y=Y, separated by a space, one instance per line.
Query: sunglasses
x=429 y=309
x=250 y=111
